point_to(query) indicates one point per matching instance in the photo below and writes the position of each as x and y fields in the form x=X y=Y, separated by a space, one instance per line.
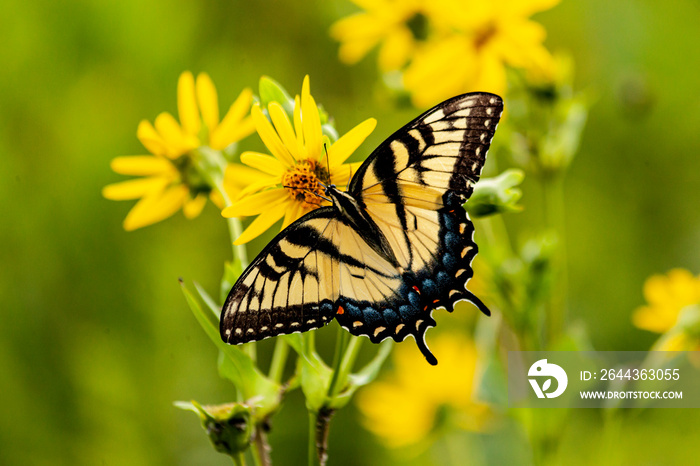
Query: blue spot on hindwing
x=451 y=240
x=371 y=316
x=414 y=299
x=390 y=317
x=407 y=312
x=442 y=279
x=429 y=288
x=449 y=261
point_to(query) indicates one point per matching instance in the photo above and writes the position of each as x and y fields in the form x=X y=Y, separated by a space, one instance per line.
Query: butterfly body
x=391 y=249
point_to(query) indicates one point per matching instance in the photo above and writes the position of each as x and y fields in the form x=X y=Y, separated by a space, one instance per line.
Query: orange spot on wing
x=340 y=310
x=416 y=288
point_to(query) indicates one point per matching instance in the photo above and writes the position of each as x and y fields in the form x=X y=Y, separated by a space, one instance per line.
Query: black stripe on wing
x=243 y=321
x=472 y=117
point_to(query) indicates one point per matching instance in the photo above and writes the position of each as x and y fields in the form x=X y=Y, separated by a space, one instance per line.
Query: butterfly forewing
x=291 y=286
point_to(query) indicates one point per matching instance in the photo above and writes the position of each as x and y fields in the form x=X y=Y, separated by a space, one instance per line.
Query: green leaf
x=242 y=371
x=365 y=375
x=272 y=91
x=314 y=374
x=232 y=270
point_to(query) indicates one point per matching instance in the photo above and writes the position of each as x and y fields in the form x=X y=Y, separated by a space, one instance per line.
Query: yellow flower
x=667 y=295
x=672 y=310
x=398 y=25
x=449 y=46
x=404 y=408
x=171 y=179
x=488 y=36
x=289 y=182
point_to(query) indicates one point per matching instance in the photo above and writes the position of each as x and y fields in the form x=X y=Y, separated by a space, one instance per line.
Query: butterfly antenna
x=328 y=162
x=310 y=192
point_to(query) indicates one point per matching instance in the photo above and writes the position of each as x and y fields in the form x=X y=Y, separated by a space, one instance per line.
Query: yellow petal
x=358 y=34
x=177 y=142
x=263 y=222
x=656 y=320
x=293 y=212
x=349 y=142
x=187 y=104
x=243 y=129
x=284 y=128
x=264 y=163
x=150 y=138
x=491 y=76
x=396 y=50
x=311 y=122
x=299 y=130
x=520 y=8
x=156 y=207
x=217 y=199
x=342 y=174
x=239 y=176
x=141 y=165
x=234 y=126
x=270 y=138
x=193 y=207
x=134 y=189
x=256 y=203
x=208 y=101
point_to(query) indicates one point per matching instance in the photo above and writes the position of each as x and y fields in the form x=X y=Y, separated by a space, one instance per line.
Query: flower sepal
x=272 y=91
x=228 y=425
x=496 y=195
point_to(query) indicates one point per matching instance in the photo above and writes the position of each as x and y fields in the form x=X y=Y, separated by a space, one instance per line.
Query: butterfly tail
x=423 y=347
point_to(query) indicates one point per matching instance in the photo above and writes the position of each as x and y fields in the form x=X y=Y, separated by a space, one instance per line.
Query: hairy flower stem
x=261 y=450
x=319 y=426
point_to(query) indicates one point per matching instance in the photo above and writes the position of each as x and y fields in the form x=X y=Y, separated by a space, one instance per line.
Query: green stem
x=341 y=343
x=554 y=218
x=313 y=457
x=348 y=361
x=238 y=459
x=279 y=359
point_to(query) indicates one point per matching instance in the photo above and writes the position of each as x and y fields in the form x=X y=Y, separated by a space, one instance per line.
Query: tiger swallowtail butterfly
x=392 y=248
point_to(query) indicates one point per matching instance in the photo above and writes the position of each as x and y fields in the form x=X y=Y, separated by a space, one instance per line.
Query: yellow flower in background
x=396 y=26
x=673 y=310
x=405 y=407
x=289 y=182
x=489 y=37
x=448 y=47
x=171 y=180
x=667 y=296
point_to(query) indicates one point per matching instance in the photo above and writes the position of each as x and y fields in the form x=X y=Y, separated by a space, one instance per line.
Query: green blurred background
x=96 y=341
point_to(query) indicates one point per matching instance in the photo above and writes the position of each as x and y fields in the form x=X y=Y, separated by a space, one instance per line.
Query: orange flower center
x=303 y=182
